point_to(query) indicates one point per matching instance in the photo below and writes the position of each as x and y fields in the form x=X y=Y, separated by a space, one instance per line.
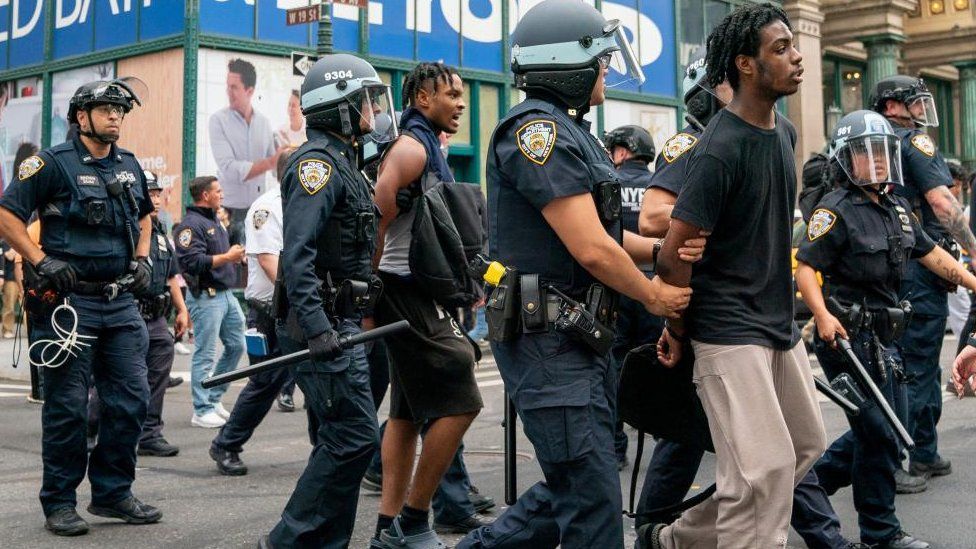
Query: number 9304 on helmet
x=561 y=47
x=343 y=94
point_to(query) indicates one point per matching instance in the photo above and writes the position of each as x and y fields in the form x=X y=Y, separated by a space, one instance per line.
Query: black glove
x=141 y=276
x=325 y=346
x=57 y=272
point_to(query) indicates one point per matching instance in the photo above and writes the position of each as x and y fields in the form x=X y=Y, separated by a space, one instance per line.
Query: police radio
x=573 y=319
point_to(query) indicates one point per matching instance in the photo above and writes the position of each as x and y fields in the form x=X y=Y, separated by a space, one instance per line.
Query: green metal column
x=967 y=100
x=46 y=77
x=191 y=47
x=883 y=54
x=325 y=30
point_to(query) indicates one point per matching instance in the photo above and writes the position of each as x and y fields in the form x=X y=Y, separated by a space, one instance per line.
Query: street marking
x=15 y=387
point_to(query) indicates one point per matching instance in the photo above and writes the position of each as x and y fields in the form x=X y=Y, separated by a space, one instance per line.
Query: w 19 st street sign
x=310 y=14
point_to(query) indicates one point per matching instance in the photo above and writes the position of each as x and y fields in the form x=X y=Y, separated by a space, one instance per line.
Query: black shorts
x=431 y=364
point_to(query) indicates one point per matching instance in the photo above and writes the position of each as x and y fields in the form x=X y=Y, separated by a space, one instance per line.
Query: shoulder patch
x=313 y=174
x=820 y=224
x=185 y=237
x=260 y=217
x=924 y=143
x=29 y=167
x=536 y=139
x=677 y=146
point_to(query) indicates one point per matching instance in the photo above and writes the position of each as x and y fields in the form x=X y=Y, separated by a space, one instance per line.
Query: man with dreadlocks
x=433 y=387
x=751 y=371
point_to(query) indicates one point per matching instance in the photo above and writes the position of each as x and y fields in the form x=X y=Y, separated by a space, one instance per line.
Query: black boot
x=130 y=510
x=906 y=483
x=938 y=468
x=228 y=463
x=66 y=522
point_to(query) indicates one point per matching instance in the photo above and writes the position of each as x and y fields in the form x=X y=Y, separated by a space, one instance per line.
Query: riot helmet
x=343 y=94
x=560 y=48
x=123 y=92
x=152 y=182
x=635 y=139
x=912 y=92
x=866 y=149
x=699 y=97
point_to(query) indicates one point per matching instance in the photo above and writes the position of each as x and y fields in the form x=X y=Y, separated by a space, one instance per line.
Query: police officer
x=860 y=238
x=94 y=208
x=340 y=97
x=631 y=149
x=907 y=104
x=673 y=465
x=552 y=187
x=155 y=304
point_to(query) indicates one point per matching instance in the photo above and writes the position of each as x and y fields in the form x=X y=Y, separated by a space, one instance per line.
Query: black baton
x=835 y=397
x=876 y=395
x=511 y=490
x=345 y=342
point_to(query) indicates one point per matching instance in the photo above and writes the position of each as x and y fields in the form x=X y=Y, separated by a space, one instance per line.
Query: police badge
x=924 y=143
x=820 y=224
x=313 y=174
x=29 y=167
x=536 y=140
x=260 y=217
x=677 y=146
x=185 y=237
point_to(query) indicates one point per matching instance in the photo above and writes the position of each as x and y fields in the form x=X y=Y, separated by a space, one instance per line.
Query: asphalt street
x=204 y=509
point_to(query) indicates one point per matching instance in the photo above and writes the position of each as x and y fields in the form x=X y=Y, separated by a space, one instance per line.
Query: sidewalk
x=7 y=357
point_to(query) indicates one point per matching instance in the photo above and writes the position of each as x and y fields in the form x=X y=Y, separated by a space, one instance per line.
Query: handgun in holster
x=852 y=318
x=572 y=318
x=349 y=297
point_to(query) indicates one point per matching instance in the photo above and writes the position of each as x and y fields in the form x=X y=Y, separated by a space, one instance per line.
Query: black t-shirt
x=745 y=195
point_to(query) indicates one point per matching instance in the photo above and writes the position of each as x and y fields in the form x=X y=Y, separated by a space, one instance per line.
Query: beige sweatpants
x=767 y=429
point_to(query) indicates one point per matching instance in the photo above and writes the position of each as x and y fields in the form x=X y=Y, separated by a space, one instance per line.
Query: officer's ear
x=81 y=118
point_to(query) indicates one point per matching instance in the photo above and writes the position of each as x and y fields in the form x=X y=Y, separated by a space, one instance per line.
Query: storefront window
x=698 y=18
x=851 y=77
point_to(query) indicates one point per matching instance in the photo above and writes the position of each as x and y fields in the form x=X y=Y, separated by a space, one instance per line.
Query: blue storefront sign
x=465 y=33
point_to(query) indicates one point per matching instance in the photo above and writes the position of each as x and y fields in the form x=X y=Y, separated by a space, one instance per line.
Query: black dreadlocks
x=422 y=76
x=738 y=34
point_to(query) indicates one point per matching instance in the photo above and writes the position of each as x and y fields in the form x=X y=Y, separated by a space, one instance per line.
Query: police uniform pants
x=342 y=426
x=921 y=348
x=117 y=361
x=255 y=400
x=159 y=363
x=767 y=429
x=866 y=456
x=564 y=396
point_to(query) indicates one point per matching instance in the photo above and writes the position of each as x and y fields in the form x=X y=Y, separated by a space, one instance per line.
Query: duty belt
x=153 y=307
x=887 y=323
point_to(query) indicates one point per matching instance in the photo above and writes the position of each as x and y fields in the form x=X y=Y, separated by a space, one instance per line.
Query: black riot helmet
x=343 y=94
x=635 y=139
x=123 y=92
x=152 y=182
x=700 y=99
x=867 y=150
x=908 y=90
x=560 y=47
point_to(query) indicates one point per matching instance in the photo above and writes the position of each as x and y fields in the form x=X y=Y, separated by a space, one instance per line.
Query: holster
x=502 y=308
x=349 y=298
x=533 y=303
x=279 y=299
x=153 y=307
x=890 y=322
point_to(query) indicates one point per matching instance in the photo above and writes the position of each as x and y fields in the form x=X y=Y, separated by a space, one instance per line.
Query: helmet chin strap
x=103 y=139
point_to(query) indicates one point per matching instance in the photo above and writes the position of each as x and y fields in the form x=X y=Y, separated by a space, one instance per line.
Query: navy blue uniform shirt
x=163 y=260
x=671 y=163
x=81 y=222
x=199 y=237
x=634 y=178
x=854 y=243
x=923 y=169
x=329 y=225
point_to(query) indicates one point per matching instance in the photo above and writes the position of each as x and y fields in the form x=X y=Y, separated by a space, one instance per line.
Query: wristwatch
x=654 y=253
x=972 y=340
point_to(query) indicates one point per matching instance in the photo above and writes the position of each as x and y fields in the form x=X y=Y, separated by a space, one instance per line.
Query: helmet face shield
x=871 y=160
x=922 y=109
x=624 y=59
x=374 y=104
x=122 y=91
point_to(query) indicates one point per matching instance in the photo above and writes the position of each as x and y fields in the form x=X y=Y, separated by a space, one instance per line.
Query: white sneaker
x=181 y=348
x=210 y=420
x=221 y=411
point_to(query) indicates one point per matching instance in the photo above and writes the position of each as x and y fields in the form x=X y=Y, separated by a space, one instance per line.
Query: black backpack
x=450 y=228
